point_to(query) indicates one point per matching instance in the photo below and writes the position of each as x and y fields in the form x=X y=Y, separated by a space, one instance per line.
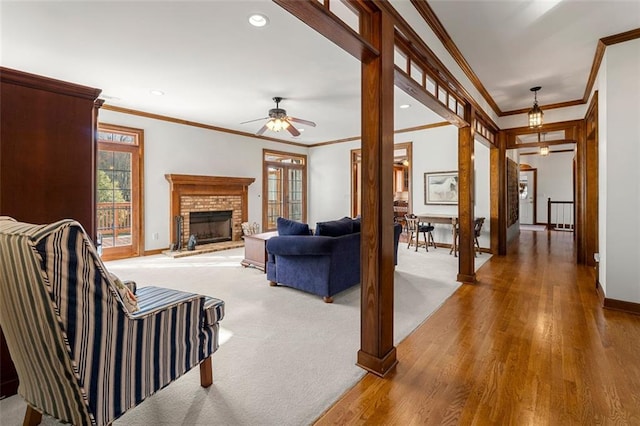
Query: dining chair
x=477 y=230
x=86 y=348
x=415 y=227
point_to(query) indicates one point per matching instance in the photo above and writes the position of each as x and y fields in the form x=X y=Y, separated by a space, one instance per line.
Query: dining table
x=449 y=219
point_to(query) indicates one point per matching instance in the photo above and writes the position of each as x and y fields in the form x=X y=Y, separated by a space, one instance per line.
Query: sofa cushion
x=335 y=228
x=291 y=227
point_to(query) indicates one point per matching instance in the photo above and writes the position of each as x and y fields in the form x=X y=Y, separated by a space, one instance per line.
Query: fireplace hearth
x=211 y=226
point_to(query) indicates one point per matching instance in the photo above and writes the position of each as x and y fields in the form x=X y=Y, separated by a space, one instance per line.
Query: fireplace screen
x=211 y=226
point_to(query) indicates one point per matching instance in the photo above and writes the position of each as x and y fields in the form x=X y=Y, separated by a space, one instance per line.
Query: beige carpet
x=285 y=355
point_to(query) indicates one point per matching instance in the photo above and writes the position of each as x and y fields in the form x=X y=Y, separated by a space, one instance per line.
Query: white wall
x=601 y=86
x=621 y=143
x=176 y=148
x=555 y=180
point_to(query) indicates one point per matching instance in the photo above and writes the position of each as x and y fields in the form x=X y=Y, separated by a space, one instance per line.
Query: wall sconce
x=535 y=113
x=544 y=150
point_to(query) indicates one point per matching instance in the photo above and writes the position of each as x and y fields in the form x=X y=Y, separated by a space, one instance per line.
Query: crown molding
x=196 y=124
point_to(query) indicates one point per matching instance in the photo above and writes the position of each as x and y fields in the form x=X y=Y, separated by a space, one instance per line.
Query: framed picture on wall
x=441 y=187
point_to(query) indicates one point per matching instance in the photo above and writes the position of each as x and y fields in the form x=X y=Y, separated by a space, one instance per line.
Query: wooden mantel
x=181 y=185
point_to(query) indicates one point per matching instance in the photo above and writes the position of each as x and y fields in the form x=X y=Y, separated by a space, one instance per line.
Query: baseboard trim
x=623 y=306
x=600 y=292
x=155 y=251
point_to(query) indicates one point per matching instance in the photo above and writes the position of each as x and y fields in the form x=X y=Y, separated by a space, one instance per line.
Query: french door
x=284 y=188
x=119 y=191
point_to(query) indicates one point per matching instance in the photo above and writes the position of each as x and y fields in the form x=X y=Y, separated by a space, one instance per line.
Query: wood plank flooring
x=528 y=344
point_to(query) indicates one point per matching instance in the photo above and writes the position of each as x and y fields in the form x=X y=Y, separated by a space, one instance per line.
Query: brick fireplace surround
x=194 y=193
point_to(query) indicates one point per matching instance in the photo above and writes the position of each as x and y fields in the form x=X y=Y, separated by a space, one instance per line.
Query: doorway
x=527 y=188
x=284 y=188
x=402 y=181
x=119 y=191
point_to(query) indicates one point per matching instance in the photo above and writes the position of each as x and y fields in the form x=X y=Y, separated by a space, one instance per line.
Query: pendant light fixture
x=535 y=113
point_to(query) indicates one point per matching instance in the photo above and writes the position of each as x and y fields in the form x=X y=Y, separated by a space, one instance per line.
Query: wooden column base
x=467 y=279
x=378 y=366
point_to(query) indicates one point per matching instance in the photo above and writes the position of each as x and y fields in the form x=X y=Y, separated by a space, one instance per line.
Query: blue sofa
x=323 y=264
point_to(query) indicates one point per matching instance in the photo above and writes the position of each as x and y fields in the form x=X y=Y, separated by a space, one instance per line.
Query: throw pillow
x=335 y=228
x=128 y=298
x=291 y=227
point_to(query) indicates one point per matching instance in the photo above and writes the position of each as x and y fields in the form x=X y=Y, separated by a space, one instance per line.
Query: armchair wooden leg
x=273 y=283
x=327 y=299
x=32 y=417
x=206 y=373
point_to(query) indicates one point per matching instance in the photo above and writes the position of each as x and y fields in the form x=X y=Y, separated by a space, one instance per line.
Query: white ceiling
x=218 y=70
x=515 y=45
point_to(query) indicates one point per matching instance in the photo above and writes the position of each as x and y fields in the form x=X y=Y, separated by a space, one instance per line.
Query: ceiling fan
x=279 y=120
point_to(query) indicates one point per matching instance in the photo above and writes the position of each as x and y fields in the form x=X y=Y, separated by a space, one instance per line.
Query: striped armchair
x=81 y=355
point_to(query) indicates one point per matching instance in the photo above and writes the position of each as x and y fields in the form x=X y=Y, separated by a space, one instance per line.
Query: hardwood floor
x=528 y=345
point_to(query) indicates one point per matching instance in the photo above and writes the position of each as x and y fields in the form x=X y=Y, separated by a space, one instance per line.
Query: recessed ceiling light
x=405 y=106
x=258 y=20
x=156 y=92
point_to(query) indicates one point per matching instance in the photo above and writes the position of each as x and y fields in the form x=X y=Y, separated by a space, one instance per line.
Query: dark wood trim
x=550 y=152
x=621 y=37
x=466 y=187
x=326 y=23
x=432 y=20
x=412 y=88
x=539 y=144
x=33 y=81
x=405 y=130
x=498 y=197
x=591 y=190
x=622 y=305
x=599 y=54
x=544 y=107
x=195 y=124
x=600 y=292
x=377 y=352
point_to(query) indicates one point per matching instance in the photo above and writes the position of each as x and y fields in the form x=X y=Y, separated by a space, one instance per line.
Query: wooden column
x=498 y=190
x=377 y=353
x=466 y=189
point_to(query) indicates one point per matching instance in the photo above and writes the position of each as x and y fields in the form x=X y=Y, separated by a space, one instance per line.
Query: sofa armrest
x=301 y=245
x=152 y=300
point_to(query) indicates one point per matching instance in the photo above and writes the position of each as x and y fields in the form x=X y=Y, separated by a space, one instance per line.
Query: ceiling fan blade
x=292 y=129
x=301 y=121
x=262 y=130
x=251 y=121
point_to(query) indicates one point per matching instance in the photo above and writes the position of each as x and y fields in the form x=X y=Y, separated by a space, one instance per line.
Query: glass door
x=118 y=193
x=285 y=183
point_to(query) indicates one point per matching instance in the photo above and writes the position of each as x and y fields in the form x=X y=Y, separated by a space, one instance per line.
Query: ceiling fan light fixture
x=277 y=124
x=535 y=113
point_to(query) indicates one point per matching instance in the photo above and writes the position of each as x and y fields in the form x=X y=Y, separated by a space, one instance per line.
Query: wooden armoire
x=47 y=160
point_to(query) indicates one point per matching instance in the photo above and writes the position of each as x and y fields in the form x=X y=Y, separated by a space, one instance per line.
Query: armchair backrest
x=57 y=307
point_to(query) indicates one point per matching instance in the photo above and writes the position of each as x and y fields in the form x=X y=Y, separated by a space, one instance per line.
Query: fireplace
x=203 y=194
x=211 y=226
